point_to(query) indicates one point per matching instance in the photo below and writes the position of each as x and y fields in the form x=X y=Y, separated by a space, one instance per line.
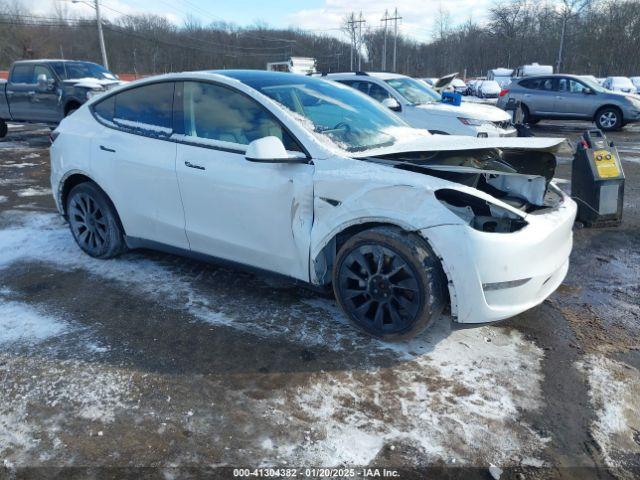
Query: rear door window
x=22 y=74
x=146 y=110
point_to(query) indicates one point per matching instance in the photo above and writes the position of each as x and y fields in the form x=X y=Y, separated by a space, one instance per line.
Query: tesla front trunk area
x=312 y=180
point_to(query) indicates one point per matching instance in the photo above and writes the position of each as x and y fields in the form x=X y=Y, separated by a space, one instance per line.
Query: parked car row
x=422 y=107
x=321 y=182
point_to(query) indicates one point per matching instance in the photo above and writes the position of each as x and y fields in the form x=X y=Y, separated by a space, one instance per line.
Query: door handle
x=197 y=167
x=106 y=149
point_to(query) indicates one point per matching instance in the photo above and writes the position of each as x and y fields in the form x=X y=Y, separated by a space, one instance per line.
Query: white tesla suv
x=421 y=106
x=315 y=181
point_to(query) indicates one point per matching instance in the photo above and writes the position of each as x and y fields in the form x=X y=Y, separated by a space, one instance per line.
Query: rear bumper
x=493 y=276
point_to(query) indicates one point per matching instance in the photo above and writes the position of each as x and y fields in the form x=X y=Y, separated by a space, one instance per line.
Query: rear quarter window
x=104 y=109
x=145 y=110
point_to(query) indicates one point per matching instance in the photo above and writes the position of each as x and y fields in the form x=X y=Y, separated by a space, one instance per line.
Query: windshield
x=351 y=120
x=76 y=70
x=414 y=91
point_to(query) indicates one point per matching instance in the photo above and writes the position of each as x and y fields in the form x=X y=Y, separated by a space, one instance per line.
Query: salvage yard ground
x=155 y=360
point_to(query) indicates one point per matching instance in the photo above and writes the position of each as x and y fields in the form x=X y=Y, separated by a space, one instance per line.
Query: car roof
x=380 y=75
x=551 y=75
x=48 y=60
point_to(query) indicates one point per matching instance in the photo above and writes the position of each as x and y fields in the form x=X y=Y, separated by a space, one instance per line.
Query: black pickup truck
x=46 y=91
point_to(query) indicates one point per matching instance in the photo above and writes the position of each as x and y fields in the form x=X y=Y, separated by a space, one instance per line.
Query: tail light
x=53 y=135
x=504 y=91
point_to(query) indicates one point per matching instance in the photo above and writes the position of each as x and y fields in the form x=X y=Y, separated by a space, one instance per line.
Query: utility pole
x=352 y=36
x=356 y=40
x=103 y=50
x=395 y=36
x=385 y=19
x=360 y=22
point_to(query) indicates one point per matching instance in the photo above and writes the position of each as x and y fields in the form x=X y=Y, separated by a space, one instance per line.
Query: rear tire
x=389 y=283
x=527 y=118
x=608 y=119
x=94 y=222
x=3 y=129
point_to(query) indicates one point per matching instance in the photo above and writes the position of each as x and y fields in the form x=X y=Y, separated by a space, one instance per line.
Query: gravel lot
x=151 y=360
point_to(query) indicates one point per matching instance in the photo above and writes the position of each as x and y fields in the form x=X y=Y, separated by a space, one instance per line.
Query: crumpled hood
x=467 y=110
x=441 y=143
x=93 y=83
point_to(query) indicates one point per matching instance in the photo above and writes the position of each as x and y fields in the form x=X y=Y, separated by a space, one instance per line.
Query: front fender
x=408 y=207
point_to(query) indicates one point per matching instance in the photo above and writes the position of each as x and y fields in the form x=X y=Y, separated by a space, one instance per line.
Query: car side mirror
x=391 y=104
x=44 y=83
x=271 y=150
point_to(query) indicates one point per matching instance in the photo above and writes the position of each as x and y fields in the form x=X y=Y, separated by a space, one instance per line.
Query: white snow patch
x=31 y=156
x=614 y=393
x=463 y=396
x=34 y=192
x=19 y=165
x=3 y=198
x=21 y=323
x=76 y=389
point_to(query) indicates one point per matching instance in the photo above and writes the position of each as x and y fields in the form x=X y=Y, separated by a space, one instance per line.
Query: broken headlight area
x=480 y=214
x=520 y=179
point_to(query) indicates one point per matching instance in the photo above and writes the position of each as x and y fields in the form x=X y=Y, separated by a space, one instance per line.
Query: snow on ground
x=3 y=198
x=455 y=395
x=457 y=402
x=21 y=323
x=18 y=165
x=615 y=396
x=32 y=386
x=34 y=192
x=45 y=237
x=27 y=382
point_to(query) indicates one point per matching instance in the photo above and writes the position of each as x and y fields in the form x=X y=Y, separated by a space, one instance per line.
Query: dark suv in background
x=570 y=97
x=46 y=91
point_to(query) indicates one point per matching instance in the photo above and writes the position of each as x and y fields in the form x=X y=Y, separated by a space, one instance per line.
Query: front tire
x=94 y=222
x=609 y=119
x=389 y=283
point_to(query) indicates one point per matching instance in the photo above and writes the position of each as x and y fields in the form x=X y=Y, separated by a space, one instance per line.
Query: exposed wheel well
x=72 y=105
x=323 y=263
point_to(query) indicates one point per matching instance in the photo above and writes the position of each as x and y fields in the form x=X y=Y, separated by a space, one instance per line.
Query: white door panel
x=139 y=175
x=257 y=214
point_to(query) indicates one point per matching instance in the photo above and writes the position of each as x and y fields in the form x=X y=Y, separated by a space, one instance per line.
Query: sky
x=319 y=15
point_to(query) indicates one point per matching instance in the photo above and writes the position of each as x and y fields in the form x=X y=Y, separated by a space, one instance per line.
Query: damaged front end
x=520 y=179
